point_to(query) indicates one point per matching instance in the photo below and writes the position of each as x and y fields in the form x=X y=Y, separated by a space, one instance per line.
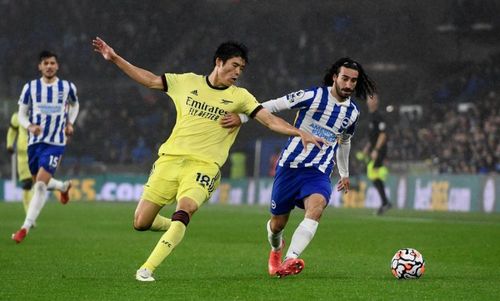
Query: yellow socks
x=166 y=244
x=161 y=223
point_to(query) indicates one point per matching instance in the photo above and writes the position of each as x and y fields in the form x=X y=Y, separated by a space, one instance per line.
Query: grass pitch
x=89 y=251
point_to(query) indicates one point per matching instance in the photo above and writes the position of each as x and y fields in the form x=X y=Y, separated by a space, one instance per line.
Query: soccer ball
x=407 y=263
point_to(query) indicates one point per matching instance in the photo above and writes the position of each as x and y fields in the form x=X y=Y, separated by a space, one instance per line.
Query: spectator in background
x=140 y=152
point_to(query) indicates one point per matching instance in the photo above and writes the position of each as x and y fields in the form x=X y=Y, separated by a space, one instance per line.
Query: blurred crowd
x=121 y=123
x=452 y=137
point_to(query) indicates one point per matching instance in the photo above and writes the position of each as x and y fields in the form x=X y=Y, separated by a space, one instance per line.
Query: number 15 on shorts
x=54 y=161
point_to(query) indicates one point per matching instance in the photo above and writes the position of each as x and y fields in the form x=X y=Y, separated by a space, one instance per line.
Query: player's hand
x=343 y=184
x=374 y=154
x=35 y=129
x=10 y=150
x=68 y=130
x=104 y=49
x=230 y=121
x=309 y=138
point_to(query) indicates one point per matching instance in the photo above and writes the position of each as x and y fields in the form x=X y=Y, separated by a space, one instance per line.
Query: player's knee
x=187 y=205
x=40 y=187
x=141 y=224
x=314 y=214
x=141 y=227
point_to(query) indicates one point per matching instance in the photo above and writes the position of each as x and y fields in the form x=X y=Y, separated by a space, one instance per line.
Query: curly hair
x=365 y=85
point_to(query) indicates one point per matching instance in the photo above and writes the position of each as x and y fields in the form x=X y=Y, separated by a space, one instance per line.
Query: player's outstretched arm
x=279 y=125
x=142 y=76
x=233 y=120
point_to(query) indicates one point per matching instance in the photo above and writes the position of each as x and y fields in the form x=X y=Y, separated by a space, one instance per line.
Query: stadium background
x=437 y=64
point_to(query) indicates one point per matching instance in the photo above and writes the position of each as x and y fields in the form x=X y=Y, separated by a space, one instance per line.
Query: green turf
x=89 y=251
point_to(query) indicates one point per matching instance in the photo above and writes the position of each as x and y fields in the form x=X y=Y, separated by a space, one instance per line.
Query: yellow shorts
x=376 y=173
x=23 y=169
x=175 y=177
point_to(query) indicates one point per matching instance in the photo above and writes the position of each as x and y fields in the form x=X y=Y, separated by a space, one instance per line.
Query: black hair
x=231 y=49
x=365 y=85
x=45 y=54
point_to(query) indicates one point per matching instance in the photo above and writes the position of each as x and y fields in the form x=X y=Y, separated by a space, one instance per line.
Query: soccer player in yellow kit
x=188 y=168
x=17 y=140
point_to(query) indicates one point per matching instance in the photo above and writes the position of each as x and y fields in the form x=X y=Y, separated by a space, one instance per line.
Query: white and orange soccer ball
x=407 y=263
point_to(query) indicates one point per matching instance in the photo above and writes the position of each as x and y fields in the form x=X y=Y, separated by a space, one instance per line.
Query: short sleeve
x=250 y=103
x=25 y=97
x=73 y=96
x=170 y=81
x=300 y=99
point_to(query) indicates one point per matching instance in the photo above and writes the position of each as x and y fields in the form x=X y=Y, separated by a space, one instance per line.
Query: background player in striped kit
x=48 y=108
x=303 y=175
x=17 y=142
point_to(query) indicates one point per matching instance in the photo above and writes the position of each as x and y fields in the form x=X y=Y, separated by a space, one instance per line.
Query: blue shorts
x=292 y=185
x=44 y=155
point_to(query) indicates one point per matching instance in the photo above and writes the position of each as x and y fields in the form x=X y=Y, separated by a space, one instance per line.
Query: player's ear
x=219 y=62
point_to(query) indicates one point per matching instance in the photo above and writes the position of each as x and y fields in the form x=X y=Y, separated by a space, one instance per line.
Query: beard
x=49 y=75
x=343 y=93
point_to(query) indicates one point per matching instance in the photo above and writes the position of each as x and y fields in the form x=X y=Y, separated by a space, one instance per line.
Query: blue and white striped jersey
x=321 y=115
x=48 y=107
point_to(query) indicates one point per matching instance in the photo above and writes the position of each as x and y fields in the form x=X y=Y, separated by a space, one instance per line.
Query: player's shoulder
x=302 y=95
x=70 y=83
x=238 y=89
x=240 y=92
x=189 y=77
x=31 y=82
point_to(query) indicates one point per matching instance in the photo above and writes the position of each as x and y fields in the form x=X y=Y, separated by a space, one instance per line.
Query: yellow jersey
x=197 y=132
x=17 y=131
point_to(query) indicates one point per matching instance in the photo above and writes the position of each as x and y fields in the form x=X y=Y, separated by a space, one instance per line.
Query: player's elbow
x=154 y=82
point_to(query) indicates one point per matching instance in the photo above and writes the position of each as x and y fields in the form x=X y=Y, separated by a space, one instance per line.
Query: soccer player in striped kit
x=17 y=142
x=48 y=108
x=303 y=175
